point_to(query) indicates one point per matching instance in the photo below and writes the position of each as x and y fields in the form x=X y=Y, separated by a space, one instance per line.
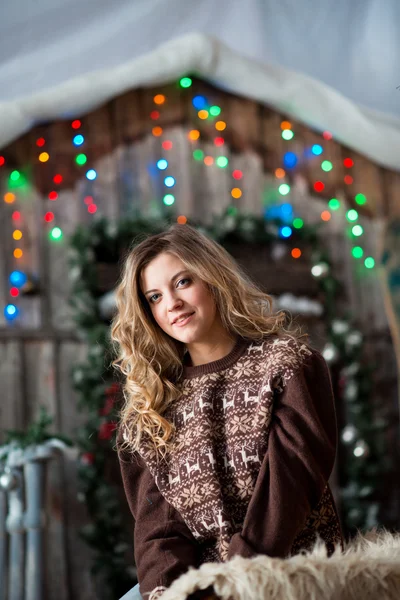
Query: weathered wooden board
x=41 y=390
x=12 y=369
x=80 y=583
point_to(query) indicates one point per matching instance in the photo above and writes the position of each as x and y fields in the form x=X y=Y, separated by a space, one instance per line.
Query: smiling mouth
x=184 y=320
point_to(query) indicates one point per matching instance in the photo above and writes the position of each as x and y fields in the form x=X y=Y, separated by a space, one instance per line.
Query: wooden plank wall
x=36 y=372
x=38 y=350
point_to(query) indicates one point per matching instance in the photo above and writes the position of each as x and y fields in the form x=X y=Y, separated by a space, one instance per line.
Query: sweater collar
x=217 y=365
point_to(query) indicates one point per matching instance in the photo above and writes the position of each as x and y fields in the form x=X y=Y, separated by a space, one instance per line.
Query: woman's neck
x=202 y=353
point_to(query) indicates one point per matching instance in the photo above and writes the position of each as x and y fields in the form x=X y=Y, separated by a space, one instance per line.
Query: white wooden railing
x=22 y=518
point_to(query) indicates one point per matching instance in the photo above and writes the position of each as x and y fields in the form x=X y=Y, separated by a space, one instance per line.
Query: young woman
x=228 y=434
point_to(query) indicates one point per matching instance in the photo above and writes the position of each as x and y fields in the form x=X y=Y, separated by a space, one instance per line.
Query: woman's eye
x=153 y=298
x=184 y=279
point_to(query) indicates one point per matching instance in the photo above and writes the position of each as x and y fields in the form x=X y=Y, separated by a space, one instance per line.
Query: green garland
x=105 y=241
x=37 y=433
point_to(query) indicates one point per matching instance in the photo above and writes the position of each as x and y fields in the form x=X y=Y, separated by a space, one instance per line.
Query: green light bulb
x=357 y=252
x=357 y=230
x=284 y=189
x=56 y=233
x=287 y=134
x=215 y=111
x=334 y=204
x=326 y=165
x=198 y=154
x=369 y=262
x=81 y=159
x=168 y=199
x=360 y=199
x=222 y=161
x=352 y=215
x=185 y=82
x=298 y=223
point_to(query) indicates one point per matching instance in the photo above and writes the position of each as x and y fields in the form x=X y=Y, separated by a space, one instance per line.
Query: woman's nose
x=174 y=303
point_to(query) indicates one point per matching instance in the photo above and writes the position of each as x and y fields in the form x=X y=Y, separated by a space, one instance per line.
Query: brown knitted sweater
x=254 y=448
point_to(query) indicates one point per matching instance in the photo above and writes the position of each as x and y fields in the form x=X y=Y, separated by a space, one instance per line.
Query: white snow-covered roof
x=333 y=65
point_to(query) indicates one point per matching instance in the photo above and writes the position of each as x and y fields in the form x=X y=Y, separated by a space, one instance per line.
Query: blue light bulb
x=199 y=102
x=18 y=279
x=91 y=174
x=285 y=231
x=11 y=312
x=317 y=149
x=169 y=181
x=290 y=160
x=162 y=164
x=78 y=140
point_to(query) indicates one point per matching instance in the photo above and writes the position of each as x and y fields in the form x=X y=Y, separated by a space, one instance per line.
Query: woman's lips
x=182 y=323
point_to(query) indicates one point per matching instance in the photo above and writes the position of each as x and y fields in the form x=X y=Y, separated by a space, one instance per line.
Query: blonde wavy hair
x=149 y=359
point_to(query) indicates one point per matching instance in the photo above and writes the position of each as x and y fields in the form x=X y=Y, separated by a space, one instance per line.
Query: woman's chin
x=188 y=337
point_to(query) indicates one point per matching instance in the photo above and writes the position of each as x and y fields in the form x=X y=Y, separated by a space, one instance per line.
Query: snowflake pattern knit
x=222 y=419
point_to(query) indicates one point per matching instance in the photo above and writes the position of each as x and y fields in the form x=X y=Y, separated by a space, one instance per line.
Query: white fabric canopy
x=333 y=65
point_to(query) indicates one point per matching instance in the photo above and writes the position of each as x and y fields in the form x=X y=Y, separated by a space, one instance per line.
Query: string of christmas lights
x=290 y=160
x=81 y=159
x=55 y=232
x=163 y=164
x=167 y=145
x=17 y=278
x=204 y=112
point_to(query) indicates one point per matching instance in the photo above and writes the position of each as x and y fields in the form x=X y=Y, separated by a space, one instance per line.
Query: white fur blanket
x=368 y=569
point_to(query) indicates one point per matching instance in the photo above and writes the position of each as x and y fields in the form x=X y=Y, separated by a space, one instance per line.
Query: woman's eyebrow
x=172 y=279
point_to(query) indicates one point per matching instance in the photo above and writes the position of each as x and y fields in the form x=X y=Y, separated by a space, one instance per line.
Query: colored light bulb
x=198 y=154
x=17 y=279
x=222 y=161
x=78 y=140
x=285 y=231
x=357 y=230
x=215 y=111
x=290 y=160
x=352 y=215
x=369 y=262
x=317 y=149
x=357 y=252
x=159 y=99
x=169 y=181
x=91 y=174
x=287 y=134
x=360 y=199
x=56 y=233
x=220 y=125
x=236 y=192
x=326 y=165
x=284 y=189
x=11 y=312
x=168 y=199
x=162 y=164
x=81 y=159
x=298 y=223
x=185 y=82
x=334 y=204
x=199 y=102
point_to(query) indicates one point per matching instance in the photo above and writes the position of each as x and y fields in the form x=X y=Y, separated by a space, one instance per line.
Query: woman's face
x=171 y=291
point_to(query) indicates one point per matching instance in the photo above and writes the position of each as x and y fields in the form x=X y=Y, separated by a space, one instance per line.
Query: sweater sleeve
x=297 y=464
x=164 y=547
